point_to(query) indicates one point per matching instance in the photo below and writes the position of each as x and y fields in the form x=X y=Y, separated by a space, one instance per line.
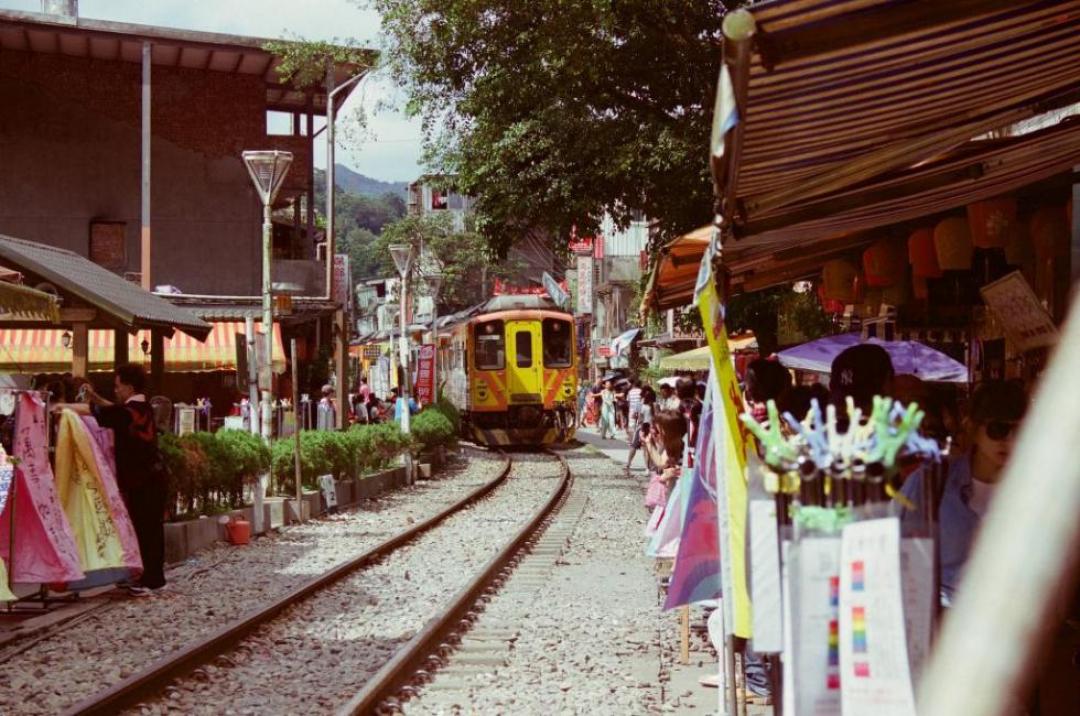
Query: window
x=523 y=346
x=490 y=346
x=557 y=347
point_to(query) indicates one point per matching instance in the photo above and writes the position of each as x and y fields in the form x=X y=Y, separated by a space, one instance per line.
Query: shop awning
x=31 y=351
x=825 y=94
x=21 y=303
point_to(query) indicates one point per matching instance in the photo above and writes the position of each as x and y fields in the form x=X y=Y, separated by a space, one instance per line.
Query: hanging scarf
x=45 y=548
x=86 y=483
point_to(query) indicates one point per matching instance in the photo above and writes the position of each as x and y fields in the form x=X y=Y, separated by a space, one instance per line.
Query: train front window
x=557 y=346
x=490 y=346
x=523 y=347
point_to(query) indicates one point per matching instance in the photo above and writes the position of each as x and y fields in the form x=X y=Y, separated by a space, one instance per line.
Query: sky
x=391 y=152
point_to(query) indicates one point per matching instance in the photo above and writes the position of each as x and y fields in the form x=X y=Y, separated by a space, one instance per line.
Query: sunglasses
x=1000 y=429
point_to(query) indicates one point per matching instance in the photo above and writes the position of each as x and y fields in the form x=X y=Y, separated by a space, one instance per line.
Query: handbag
x=656 y=494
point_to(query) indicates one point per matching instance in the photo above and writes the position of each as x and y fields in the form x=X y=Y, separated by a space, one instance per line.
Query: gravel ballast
x=588 y=636
x=213 y=589
x=318 y=654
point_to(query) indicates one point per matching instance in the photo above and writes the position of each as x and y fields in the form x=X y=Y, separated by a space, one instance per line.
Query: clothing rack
x=41 y=596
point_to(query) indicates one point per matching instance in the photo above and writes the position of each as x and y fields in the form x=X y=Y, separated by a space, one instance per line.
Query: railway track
x=401 y=658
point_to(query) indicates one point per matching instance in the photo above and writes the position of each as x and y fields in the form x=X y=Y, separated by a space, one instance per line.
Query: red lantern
x=990 y=221
x=827 y=304
x=838 y=280
x=920 y=287
x=922 y=255
x=1050 y=233
x=899 y=294
x=883 y=263
x=952 y=243
x=871 y=305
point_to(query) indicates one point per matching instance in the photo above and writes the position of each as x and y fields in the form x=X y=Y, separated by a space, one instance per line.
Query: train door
x=524 y=369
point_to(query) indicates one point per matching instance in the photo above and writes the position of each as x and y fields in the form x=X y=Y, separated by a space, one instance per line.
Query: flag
x=732 y=442
x=696 y=575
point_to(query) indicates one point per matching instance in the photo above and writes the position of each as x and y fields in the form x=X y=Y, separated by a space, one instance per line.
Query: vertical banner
x=380 y=377
x=425 y=375
x=875 y=676
x=584 y=284
x=735 y=442
x=812 y=639
x=342 y=291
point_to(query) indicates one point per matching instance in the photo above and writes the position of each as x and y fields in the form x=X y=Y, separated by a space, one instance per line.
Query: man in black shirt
x=139 y=468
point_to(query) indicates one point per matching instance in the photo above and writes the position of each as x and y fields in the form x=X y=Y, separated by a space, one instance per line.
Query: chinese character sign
x=425 y=375
x=584 y=284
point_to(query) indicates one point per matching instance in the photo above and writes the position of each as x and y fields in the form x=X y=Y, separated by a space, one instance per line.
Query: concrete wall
x=70 y=154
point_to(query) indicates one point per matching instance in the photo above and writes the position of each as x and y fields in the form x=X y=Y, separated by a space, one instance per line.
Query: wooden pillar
x=120 y=348
x=157 y=361
x=80 y=350
x=309 y=244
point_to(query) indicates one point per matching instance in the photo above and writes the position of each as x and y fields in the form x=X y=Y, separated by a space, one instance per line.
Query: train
x=510 y=367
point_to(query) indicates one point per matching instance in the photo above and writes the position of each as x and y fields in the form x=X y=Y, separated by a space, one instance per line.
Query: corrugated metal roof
x=129 y=304
x=838 y=92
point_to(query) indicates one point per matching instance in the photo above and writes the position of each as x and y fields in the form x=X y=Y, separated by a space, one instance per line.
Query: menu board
x=1026 y=322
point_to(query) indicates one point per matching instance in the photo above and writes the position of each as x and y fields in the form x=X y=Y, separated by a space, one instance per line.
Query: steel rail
x=393 y=683
x=151 y=680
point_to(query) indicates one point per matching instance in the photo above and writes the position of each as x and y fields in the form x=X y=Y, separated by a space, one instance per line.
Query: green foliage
x=431 y=428
x=358 y=451
x=248 y=454
x=304 y=63
x=207 y=471
x=359 y=220
x=450 y=412
x=550 y=112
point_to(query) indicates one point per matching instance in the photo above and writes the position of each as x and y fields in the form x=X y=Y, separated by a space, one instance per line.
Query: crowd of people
x=662 y=424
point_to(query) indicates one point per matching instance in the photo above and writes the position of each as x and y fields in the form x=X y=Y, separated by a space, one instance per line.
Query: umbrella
x=695 y=359
x=908 y=357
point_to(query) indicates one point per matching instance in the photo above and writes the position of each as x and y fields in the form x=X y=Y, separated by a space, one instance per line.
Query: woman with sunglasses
x=996 y=409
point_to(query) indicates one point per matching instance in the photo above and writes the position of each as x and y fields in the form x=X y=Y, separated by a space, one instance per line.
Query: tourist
x=996 y=409
x=607 y=411
x=860 y=372
x=140 y=471
x=326 y=415
x=643 y=428
x=633 y=402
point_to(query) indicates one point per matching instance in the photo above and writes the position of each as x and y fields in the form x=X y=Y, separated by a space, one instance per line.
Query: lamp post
x=434 y=282
x=403 y=256
x=267 y=169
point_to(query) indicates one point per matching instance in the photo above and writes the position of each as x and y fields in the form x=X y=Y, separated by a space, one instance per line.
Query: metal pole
x=330 y=180
x=1031 y=534
x=252 y=376
x=146 y=145
x=296 y=448
x=404 y=387
x=267 y=323
x=435 y=340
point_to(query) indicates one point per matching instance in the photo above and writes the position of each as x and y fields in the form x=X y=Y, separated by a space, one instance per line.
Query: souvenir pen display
x=833 y=461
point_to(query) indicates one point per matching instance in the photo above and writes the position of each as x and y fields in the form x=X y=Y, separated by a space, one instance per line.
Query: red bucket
x=238 y=531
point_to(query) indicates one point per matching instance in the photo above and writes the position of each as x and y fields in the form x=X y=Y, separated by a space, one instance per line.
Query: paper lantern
x=990 y=220
x=838 y=279
x=828 y=305
x=920 y=287
x=871 y=305
x=884 y=264
x=952 y=243
x=899 y=294
x=1049 y=229
x=922 y=255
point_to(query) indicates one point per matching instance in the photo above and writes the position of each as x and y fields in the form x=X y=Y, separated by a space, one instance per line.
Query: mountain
x=357 y=183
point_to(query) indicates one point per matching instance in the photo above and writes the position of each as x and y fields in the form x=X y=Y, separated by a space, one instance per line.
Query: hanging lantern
x=952 y=243
x=899 y=294
x=1018 y=248
x=1049 y=229
x=883 y=263
x=828 y=305
x=922 y=255
x=838 y=279
x=920 y=287
x=990 y=220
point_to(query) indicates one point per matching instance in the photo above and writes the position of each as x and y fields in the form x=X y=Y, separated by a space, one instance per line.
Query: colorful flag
x=696 y=575
x=733 y=443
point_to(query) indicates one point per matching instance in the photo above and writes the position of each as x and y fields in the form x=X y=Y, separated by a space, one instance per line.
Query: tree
x=462 y=257
x=551 y=112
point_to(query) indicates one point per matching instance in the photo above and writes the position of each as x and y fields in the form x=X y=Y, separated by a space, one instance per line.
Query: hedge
x=359 y=450
x=207 y=471
x=432 y=428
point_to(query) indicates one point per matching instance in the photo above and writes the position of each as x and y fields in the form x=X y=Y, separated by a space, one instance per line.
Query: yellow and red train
x=511 y=370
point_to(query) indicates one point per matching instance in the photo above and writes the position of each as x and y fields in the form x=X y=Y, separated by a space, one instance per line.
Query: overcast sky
x=391 y=154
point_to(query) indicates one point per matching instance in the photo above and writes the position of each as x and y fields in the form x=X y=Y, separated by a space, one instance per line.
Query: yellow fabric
x=79 y=487
x=737 y=442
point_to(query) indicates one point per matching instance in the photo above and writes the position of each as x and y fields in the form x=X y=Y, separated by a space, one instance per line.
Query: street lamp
x=267 y=169
x=434 y=283
x=403 y=256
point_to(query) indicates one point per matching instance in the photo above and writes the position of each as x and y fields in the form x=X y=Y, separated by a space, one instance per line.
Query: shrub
x=432 y=428
x=450 y=411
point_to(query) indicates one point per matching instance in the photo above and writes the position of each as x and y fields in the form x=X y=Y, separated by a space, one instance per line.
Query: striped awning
x=43 y=351
x=22 y=303
x=831 y=94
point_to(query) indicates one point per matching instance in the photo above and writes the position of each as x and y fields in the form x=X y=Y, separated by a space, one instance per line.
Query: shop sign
x=554 y=290
x=371 y=352
x=1025 y=321
x=580 y=245
x=342 y=293
x=584 y=284
x=604 y=351
x=425 y=374
x=186 y=421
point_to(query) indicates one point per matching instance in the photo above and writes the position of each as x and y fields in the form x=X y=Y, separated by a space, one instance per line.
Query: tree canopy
x=550 y=112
